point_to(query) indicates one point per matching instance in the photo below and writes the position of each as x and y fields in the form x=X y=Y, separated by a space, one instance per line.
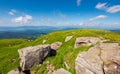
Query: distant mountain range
x=32 y=32
x=29 y=32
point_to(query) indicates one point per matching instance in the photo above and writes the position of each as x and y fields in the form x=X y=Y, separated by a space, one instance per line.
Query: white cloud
x=110 y=9
x=114 y=9
x=78 y=2
x=12 y=12
x=91 y=20
x=98 y=17
x=101 y=6
x=22 y=19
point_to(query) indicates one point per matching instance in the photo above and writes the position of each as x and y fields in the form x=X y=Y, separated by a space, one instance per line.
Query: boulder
x=61 y=71
x=103 y=58
x=110 y=54
x=56 y=45
x=31 y=56
x=89 y=62
x=86 y=41
x=68 y=38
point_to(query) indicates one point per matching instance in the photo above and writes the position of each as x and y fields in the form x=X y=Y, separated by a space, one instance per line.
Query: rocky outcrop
x=68 y=38
x=86 y=41
x=110 y=55
x=89 y=62
x=60 y=71
x=34 y=55
x=31 y=56
x=56 y=45
x=100 y=59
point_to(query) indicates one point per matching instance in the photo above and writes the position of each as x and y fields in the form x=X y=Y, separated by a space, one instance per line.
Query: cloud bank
x=109 y=9
x=22 y=19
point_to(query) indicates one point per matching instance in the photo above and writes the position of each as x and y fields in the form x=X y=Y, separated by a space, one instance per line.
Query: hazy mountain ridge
x=32 y=32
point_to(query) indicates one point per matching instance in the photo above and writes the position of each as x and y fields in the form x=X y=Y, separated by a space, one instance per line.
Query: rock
x=86 y=41
x=112 y=68
x=44 y=41
x=50 y=67
x=60 y=71
x=89 y=62
x=110 y=54
x=56 y=45
x=16 y=71
x=31 y=56
x=68 y=38
x=100 y=59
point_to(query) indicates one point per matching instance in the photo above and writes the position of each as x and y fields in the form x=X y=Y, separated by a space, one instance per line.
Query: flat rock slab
x=31 y=56
x=89 y=62
x=61 y=71
x=100 y=59
x=15 y=71
x=56 y=45
x=86 y=41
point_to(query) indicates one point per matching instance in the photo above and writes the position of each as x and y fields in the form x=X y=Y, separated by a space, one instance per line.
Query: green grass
x=66 y=53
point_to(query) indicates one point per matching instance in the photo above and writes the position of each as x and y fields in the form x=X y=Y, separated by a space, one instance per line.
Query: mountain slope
x=66 y=53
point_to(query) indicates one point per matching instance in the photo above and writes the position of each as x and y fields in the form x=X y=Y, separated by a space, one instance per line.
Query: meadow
x=9 y=58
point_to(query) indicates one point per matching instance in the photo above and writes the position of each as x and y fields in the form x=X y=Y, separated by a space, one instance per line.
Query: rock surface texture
x=86 y=41
x=31 y=56
x=103 y=58
x=60 y=71
x=15 y=71
x=56 y=45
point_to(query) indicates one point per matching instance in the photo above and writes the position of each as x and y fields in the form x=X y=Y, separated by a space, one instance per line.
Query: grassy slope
x=9 y=56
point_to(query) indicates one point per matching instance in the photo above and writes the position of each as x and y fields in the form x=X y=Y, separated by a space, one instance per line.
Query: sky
x=98 y=13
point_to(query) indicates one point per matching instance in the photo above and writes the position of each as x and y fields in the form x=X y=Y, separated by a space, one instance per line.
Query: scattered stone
x=68 y=38
x=100 y=59
x=44 y=41
x=31 y=56
x=61 y=71
x=56 y=45
x=86 y=41
x=50 y=67
x=16 y=71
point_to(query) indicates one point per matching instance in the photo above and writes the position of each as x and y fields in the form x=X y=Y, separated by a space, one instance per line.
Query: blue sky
x=105 y=13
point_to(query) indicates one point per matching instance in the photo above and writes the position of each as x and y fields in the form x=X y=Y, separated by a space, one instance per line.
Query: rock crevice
x=103 y=58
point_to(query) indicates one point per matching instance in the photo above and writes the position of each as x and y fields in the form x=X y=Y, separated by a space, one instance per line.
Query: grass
x=66 y=53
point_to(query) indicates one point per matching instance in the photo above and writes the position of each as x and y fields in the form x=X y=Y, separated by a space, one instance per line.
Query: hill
x=10 y=59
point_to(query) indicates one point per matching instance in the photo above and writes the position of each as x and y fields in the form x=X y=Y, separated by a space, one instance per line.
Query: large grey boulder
x=60 y=71
x=86 y=41
x=31 y=56
x=100 y=59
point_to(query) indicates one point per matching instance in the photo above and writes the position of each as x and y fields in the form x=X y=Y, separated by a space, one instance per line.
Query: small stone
x=68 y=38
x=56 y=45
x=61 y=71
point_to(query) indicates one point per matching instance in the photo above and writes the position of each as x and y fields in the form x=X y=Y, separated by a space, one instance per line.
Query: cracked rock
x=100 y=59
x=86 y=41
